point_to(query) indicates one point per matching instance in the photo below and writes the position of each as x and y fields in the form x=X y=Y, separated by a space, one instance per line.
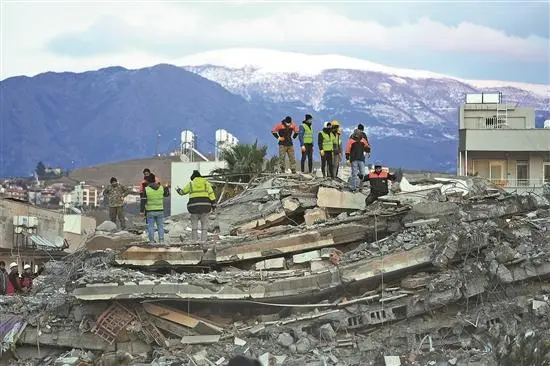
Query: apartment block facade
x=500 y=142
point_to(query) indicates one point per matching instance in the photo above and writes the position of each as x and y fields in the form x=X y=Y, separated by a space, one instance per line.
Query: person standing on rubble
x=152 y=205
x=285 y=132
x=378 y=179
x=202 y=200
x=355 y=156
x=337 y=149
x=326 y=146
x=305 y=134
x=3 y=278
x=147 y=176
x=115 y=194
x=14 y=283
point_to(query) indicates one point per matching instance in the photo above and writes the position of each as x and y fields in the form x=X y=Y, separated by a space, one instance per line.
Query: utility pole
x=157 y=144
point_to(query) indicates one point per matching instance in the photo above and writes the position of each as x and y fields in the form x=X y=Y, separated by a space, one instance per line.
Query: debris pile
x=297 y=271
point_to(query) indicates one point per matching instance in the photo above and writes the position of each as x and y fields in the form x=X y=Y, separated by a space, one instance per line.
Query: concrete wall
x=50 y=223
x=77 y=228
x=181 y=172
x=472 y=116
x=537 y=139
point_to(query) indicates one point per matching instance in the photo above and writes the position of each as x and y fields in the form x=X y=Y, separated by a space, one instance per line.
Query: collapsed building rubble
x=297 y=271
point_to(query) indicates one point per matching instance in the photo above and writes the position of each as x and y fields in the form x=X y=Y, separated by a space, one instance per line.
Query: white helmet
x=13 y=264
x=27 y=266
x=327 y=124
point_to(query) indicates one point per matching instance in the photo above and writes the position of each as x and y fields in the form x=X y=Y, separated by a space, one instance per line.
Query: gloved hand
x=322 y=153
x=281 y=138
x=303 y=149
x=179 y=191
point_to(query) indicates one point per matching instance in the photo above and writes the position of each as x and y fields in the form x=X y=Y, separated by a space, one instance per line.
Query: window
x=546 y=172
x=522 y=173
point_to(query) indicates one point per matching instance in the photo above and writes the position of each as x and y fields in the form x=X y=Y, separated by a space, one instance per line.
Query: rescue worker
x=147 y=176
x=115 y=194
x=285 y=131
x=14 y=283
x=361 y=128
x=337 y=150
x=378 y=183
x=305 y=134
x=202 y=201
x=355 y=156
x=28 y=277
x=3 y=278
x=326 y=146
x=152 y=205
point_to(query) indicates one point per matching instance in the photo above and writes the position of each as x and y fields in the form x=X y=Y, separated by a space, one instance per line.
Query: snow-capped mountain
x=401 y=106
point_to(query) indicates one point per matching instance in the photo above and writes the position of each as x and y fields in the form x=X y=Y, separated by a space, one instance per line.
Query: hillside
x=112 y=114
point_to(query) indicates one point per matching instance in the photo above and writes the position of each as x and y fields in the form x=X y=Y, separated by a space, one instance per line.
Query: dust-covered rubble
x=450 y=271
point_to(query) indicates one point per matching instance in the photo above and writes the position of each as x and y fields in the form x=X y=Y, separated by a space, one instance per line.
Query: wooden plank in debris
x=202 y=339
x=174 y=315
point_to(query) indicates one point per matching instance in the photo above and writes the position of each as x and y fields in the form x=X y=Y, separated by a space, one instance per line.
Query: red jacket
x=288 y=132
x=13 y=285
x=356 y=148
x=141 y=190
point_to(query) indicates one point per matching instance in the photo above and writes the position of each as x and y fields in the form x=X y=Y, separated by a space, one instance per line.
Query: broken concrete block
x=421 y=222
x=314 y=255
x=336 y=199
x=290 y=204
x=392 y=360
x=314 y=216
x=319 y=265
x=274 y=263
x=501 y=272
x=107 y=226
x=239 y=341
x=285 y=339
x=327 y=332
x=303 y=345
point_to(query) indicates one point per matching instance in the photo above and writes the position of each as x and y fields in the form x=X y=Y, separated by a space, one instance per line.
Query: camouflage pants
x=284 y=151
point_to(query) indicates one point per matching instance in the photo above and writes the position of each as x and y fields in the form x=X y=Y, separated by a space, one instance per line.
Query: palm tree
x=244 y=161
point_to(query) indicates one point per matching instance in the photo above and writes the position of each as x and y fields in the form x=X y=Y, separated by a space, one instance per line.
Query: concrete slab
x=314 y=255
x=274 y=263
x=314 y=216
x=149 y=256
x=336 y=199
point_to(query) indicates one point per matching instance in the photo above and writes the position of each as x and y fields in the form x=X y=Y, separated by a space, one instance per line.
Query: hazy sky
x=498 y=40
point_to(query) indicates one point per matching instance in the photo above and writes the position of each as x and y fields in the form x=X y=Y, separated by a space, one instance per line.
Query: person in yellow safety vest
x=305 y=134
x=152 y=205
x=202 y=200
x=337 y=150
x=326 y=146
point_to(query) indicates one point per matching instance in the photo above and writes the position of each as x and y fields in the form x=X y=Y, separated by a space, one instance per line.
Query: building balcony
x=521 y=185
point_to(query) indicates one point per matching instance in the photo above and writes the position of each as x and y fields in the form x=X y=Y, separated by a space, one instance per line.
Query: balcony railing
x=520 y=183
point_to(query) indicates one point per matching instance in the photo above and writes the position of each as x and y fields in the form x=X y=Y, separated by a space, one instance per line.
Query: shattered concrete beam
x=66 y=338
x=149 y=256
x=512 y=205
x=310 y=240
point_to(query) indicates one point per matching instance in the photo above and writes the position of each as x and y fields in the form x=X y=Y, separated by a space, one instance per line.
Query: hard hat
x=27 y=266
x=13 y=264
x=335 y=123
x=326 y=124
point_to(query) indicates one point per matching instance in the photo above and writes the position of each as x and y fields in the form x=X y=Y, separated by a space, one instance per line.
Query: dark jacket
x=355 y=148
x=3 y=282
x=379 y=182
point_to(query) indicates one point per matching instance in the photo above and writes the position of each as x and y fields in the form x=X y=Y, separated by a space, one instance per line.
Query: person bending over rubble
x=378 y=183
x=202 y=200
x=28 y=277
x=152 y=205
x=14 y=282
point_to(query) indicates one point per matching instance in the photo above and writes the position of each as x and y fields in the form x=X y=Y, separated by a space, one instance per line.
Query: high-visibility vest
x=336 y=140
x=327 y=141
x=199 y=187
x=308 y=134
x=155 y=199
